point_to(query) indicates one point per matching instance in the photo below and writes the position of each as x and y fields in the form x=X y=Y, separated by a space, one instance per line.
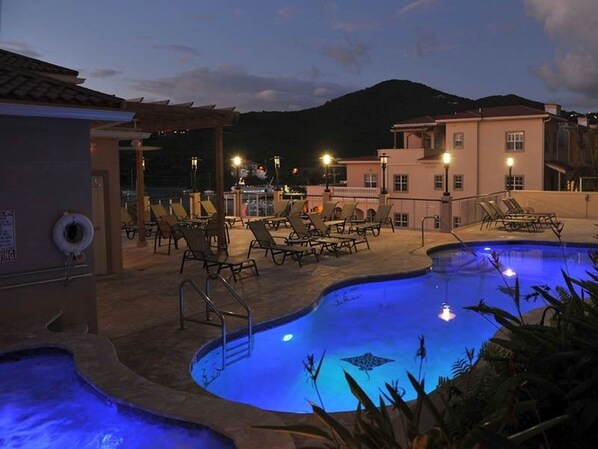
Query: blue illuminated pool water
x=371 y=330
x=44 y=404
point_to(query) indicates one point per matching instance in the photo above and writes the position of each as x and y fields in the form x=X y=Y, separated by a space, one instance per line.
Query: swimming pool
x=45 y=404
x=371 y=330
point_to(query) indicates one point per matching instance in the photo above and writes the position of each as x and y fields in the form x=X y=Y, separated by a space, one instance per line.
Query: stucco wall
x=44 y=171
x=564 y=204
x=105 y=162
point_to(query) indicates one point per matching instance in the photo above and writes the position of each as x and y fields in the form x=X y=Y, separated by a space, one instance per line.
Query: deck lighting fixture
x=237 y=164
x=327 y=160
x=510 y=178
x=143 y=163
x=383 y=165
x=446 y=313
x=509 y=273
x=277 y=169
x=446 y=160
x=194 y=171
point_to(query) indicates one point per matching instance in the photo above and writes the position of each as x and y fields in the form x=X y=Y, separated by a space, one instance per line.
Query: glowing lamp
x=509 y=273
x=287 y=337
x=446 y=313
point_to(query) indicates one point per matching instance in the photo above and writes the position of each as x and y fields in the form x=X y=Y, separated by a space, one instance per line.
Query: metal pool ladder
x=230 y=354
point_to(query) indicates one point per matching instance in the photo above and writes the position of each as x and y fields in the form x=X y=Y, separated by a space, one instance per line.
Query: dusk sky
x=289 y=55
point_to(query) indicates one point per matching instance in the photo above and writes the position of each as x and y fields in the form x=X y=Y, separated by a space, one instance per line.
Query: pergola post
x=219 y=158
x=140 y=199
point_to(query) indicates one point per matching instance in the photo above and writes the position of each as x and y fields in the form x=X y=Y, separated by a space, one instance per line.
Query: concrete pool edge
x=97 y=363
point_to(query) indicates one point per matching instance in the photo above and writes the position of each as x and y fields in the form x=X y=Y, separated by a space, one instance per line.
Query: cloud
x=414 y=6
x=427 y=44
x=572 y=25
x=354 y=26
x=190 y=51
x=21 y=48
x=103 y=73
x=352 y=55
x=232 y=86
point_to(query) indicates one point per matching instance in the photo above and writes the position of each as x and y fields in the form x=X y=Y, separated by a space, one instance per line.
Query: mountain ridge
x=354 y=124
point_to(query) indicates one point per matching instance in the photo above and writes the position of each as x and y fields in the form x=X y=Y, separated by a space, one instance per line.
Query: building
x=59 y=153
x=540 y=145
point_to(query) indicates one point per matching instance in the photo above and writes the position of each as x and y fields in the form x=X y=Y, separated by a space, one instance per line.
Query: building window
x=458 y=141
x=517 y=182
x=370 y=180
x=458 y=182
x=438 y=182
x=401 y=183
x=456 y=222
x=436 y=222
x=515 y=141
x=402 y=220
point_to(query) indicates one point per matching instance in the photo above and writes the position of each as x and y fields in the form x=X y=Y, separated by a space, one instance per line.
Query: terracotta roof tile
x=27 y=87
x=17 y=61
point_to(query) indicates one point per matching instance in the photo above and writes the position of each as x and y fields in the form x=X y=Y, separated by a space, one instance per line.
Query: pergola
x=162 y=116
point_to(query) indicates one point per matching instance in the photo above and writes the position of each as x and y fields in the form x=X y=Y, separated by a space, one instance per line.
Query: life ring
x=73 y=233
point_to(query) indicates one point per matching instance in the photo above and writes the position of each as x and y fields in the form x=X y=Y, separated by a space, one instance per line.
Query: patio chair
x=497 y=216
x=168 y=229
x=320 y=228
x=266 y=241
x=347 y=213
x=328 y=210
x=536 y=219
x=158 y=211
x=514 y=210
x=279 y=209
x=210 y=231
x=381 y=217
x=296 y=209
x=129 y=225
x=179 y=211
x=302 y=233
x=198 y=248
x=211 y=210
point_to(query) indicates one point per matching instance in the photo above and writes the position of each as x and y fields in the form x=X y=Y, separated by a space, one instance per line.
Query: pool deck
x=138 y=311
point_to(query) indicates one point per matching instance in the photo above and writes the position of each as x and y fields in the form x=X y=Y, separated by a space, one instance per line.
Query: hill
x=355 y=124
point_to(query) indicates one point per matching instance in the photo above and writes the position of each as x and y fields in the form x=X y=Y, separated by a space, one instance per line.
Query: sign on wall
x=8 y=243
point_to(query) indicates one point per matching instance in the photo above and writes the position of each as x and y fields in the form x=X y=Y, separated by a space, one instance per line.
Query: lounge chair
x=158 y=211
x=199 y=249
x=210 y=211
x=381 y=217
x=536 y=219
x=296 y=209
x=328 y=210
x=320 y=228
x=129 y=225
x=302 y=233
x=279 y=209
x=510 y=224
x=347 y=213
x=264 y=240
x=168 y=229
x=515 y=210
x=210 y=231
x=179 y=211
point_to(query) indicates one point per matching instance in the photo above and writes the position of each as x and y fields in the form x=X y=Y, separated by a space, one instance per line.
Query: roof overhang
x=65 y=112
x=558 y=166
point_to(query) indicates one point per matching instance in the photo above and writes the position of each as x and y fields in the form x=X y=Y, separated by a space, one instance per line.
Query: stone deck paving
x=138 y=309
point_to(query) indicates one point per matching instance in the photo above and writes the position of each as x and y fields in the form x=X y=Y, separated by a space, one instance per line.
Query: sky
x=284 y=55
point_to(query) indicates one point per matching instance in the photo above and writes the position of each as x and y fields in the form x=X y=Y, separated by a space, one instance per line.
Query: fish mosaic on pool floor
x=367 y=362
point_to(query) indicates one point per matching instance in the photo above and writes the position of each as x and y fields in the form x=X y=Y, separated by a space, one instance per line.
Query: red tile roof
x=22 y=86
x=17 y=61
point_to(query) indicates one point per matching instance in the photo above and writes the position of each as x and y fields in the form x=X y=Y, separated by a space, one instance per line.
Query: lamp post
x=236 y=164
x=326 y=159
x=510 y=178
x=194 y=170
x=446 y=159
x=383 y=164
x=277 y=169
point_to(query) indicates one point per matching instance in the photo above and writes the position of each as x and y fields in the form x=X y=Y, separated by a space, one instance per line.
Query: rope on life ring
x=73 y=233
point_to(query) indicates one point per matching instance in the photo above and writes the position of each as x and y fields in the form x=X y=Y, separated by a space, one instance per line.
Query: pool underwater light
x=446 y=313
